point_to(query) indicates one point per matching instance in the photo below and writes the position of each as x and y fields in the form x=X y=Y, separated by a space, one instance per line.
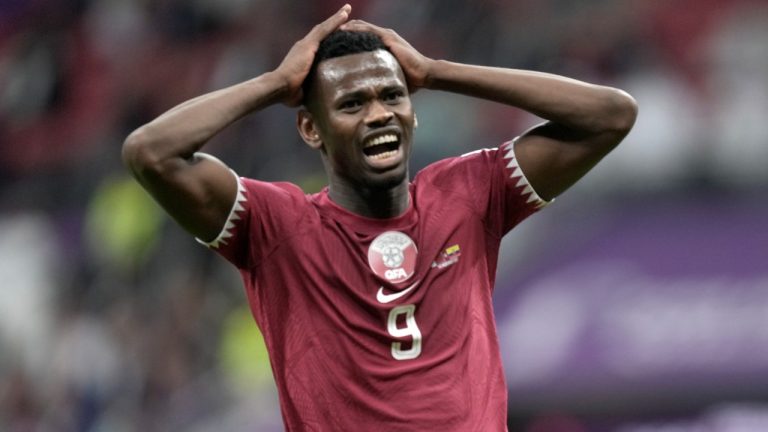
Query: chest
x=441 y=250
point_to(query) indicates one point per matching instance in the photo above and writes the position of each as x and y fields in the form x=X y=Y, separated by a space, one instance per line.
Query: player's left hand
x=416 y=66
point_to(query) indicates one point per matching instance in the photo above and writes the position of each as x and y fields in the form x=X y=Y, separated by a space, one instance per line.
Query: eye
x=393 y=97
x=350 y=105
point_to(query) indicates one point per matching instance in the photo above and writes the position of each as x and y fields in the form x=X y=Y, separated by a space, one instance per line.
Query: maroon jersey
x=383 y=324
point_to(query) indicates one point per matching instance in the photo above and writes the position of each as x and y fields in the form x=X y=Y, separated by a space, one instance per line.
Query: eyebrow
x=362 y=93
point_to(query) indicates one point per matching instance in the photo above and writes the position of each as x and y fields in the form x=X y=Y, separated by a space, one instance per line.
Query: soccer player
x=374 y=295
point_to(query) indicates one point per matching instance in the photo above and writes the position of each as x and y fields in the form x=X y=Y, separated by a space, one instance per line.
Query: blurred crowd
x=112 y=318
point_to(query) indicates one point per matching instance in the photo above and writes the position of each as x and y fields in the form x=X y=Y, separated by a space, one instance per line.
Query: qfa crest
x=392 y=256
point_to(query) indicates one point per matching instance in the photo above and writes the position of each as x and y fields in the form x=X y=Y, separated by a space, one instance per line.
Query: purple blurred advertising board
x=668 y=295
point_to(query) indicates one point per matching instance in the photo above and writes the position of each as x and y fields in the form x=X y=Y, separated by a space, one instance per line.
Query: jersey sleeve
x=512 y=198
x=493 y=183
x=262 y=214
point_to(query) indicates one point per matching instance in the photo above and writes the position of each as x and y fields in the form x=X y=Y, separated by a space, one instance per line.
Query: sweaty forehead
x=358 y=71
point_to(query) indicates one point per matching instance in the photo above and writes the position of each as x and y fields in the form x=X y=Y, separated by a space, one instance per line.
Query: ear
x=307 y=127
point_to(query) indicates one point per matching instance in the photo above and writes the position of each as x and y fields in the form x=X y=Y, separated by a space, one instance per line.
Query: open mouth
x=382 y=147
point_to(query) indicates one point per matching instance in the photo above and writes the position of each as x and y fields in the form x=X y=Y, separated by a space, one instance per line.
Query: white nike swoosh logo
x=386 y=298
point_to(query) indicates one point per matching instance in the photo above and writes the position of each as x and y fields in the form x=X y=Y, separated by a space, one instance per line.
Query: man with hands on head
x=374 y=295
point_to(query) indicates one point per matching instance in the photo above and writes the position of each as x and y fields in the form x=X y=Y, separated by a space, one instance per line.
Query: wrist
x=276 y=85
x=432 y=77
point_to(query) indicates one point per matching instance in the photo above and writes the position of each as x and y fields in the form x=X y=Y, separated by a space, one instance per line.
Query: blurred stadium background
x=638 y=302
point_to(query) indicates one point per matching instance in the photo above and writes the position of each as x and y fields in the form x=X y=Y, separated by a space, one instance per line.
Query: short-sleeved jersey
x=383 y=324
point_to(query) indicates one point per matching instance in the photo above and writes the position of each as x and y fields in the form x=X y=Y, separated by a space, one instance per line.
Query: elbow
x=622 y=109
x=137 y=152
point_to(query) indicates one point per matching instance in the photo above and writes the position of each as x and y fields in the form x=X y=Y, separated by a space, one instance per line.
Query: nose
x=378 y=114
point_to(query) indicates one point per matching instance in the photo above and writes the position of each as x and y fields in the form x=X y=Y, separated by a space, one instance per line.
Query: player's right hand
x=296 y=64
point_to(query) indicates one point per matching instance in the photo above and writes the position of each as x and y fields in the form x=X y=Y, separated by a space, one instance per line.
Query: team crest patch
x=392 y=256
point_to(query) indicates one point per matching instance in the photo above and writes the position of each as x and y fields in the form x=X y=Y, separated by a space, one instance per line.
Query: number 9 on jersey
x=411 y=330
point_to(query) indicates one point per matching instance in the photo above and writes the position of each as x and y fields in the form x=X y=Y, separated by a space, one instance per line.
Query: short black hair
x=338 y=44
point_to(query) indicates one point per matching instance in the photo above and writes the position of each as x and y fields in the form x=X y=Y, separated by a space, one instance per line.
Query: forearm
x=184 y=129
x=568 y=102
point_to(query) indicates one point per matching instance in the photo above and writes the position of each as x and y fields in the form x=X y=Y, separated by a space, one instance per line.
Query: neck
x=376 y=203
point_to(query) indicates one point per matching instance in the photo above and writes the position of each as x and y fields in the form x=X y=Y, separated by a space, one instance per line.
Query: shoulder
x=276 y=204
x=456 y=170
x=465 y=179
x=262 y=194
x=264 y=214
x=280 y=188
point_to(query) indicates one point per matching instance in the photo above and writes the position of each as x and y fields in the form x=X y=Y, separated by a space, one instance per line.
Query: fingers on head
x=333 y=22
x=357 y=25
x=340 y=15
x=360 y=25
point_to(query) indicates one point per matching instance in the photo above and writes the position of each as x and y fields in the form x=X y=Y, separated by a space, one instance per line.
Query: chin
x=388 y=180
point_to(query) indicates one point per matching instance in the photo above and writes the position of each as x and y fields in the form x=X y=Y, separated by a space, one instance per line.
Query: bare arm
x=585 y=121
x=196 y=190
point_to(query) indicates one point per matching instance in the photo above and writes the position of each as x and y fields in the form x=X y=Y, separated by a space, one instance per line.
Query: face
x=363 y=116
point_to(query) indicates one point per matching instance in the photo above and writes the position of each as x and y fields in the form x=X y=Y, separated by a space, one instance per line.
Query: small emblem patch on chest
x=392 y=256
x=448 y=257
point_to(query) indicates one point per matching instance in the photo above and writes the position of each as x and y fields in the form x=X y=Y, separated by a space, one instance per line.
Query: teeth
x=381 y=140
x=383 y=155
